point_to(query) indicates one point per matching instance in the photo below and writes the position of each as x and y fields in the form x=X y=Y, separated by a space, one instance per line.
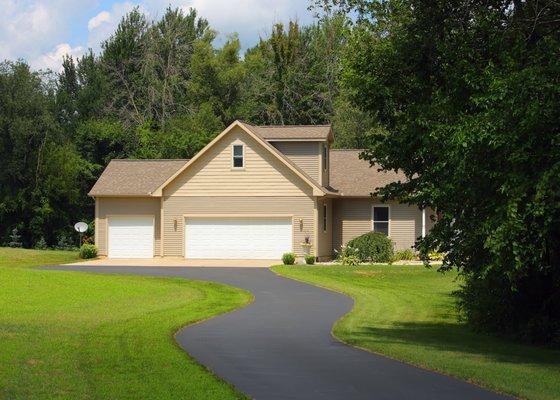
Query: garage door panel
x=237 y=238
x=131 y=237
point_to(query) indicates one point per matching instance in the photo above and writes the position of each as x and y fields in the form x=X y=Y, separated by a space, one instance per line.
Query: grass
x=73 y=335
x=408 y=313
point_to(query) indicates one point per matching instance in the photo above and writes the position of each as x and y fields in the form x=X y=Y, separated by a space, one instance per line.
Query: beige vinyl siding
x=304 y=154
x=263 y=174
x=324 y=244
x=175 y=207
x=352 y=218
x=122 y=206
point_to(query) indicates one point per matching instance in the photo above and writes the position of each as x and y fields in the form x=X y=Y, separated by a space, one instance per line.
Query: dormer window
x=237 y=156
x=325 y=156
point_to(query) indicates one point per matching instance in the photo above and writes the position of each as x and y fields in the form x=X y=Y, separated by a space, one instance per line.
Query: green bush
x=350 y=259
x=310 y=260
x=288 y=258
x=371 y=247
x=406 y=255
x=88 y=251
x=436 y=256
x=41 y=244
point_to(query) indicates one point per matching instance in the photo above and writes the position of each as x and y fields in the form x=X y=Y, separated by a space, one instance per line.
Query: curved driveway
x=280 y=346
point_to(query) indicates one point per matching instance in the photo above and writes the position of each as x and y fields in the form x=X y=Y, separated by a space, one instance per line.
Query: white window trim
x=325 y=221
x=242 y=156
x=388 y=216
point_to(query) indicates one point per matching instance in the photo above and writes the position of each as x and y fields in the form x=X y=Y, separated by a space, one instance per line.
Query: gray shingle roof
x=134 y=177
x=352 y=176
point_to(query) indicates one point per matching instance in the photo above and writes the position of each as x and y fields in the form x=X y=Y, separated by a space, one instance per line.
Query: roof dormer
x=306 y=145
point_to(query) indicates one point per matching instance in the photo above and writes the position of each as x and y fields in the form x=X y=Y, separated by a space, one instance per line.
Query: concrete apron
x=176 y=262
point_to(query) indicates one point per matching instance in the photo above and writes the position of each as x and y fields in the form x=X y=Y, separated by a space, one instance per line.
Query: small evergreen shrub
x=288 y=258
x=371 y=247
x=41 y=244
x=64 y=243
x=88 y=251
x=15 y=238
x=310 y=260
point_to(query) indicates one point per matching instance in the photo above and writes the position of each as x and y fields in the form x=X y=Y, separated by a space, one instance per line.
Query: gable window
x=325 y=156
x=381 y=219
x=324 y=217
x=237 y=156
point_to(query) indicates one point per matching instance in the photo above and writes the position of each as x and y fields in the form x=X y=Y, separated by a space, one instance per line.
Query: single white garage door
x=237 y=238
x=131 y=237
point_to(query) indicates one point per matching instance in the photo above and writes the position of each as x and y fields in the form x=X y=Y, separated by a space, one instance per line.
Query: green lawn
x=72 y=335
x=407 y=313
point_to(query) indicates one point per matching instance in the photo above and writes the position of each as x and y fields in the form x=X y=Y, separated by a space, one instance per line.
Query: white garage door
x=131 y=237
x=237 y=238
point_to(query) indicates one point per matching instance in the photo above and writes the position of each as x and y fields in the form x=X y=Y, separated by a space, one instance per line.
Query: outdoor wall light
x=175 y=224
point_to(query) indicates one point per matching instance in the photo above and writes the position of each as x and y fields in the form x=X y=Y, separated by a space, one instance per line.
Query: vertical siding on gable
x=352 y=218
x=175 y=207
x=107 y=206
x=325 y=173
x=304 y=154
x=263 y=174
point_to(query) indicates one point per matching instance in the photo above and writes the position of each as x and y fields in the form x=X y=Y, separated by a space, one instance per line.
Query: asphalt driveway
x=281 y=347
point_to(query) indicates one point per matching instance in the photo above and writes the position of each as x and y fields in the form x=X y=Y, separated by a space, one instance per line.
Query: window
x=325 y=156
x=381 y=219
x=324 y=217
x=237 y=156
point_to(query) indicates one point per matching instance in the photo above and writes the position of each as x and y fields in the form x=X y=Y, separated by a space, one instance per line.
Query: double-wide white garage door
x=237 y=238
x=131 y=237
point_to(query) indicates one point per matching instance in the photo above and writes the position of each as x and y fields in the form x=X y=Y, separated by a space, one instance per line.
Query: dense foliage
x=157 y=89
x=288 y=258
x=371 y=247
x=468 y=93
x=88 y=251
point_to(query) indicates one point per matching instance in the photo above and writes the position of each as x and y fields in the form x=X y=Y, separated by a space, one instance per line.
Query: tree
x=292 y=76
x=40 y=170
x=468 y=94
x=166 y=64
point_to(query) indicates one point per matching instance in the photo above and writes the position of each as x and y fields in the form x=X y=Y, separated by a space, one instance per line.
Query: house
x=254 y=192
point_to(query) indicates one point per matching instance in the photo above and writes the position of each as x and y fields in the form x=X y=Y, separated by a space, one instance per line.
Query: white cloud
x=99 y=19
x=31 y=29
x=53 y=59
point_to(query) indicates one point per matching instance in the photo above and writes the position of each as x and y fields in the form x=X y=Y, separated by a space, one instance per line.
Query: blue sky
x=41 y=31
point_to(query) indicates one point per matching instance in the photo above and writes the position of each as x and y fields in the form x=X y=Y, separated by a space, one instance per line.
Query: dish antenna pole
x=81 y=227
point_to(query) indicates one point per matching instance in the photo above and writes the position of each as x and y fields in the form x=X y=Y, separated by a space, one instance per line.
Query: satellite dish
x=81 y=227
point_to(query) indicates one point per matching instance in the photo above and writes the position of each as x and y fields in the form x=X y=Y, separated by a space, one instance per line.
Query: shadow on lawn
x=453 y=337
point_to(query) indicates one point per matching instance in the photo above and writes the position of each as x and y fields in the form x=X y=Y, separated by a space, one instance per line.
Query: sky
x=41 y=32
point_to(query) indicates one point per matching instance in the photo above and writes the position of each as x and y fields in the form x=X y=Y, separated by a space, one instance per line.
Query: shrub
x=41 y=244
x=15 y=238
x=350 y=260
x=406 y=255
x=310 y=260
x=371 y=246
x=88 y=251
x=435 y=256
x=288 y=258
x=64 y=243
